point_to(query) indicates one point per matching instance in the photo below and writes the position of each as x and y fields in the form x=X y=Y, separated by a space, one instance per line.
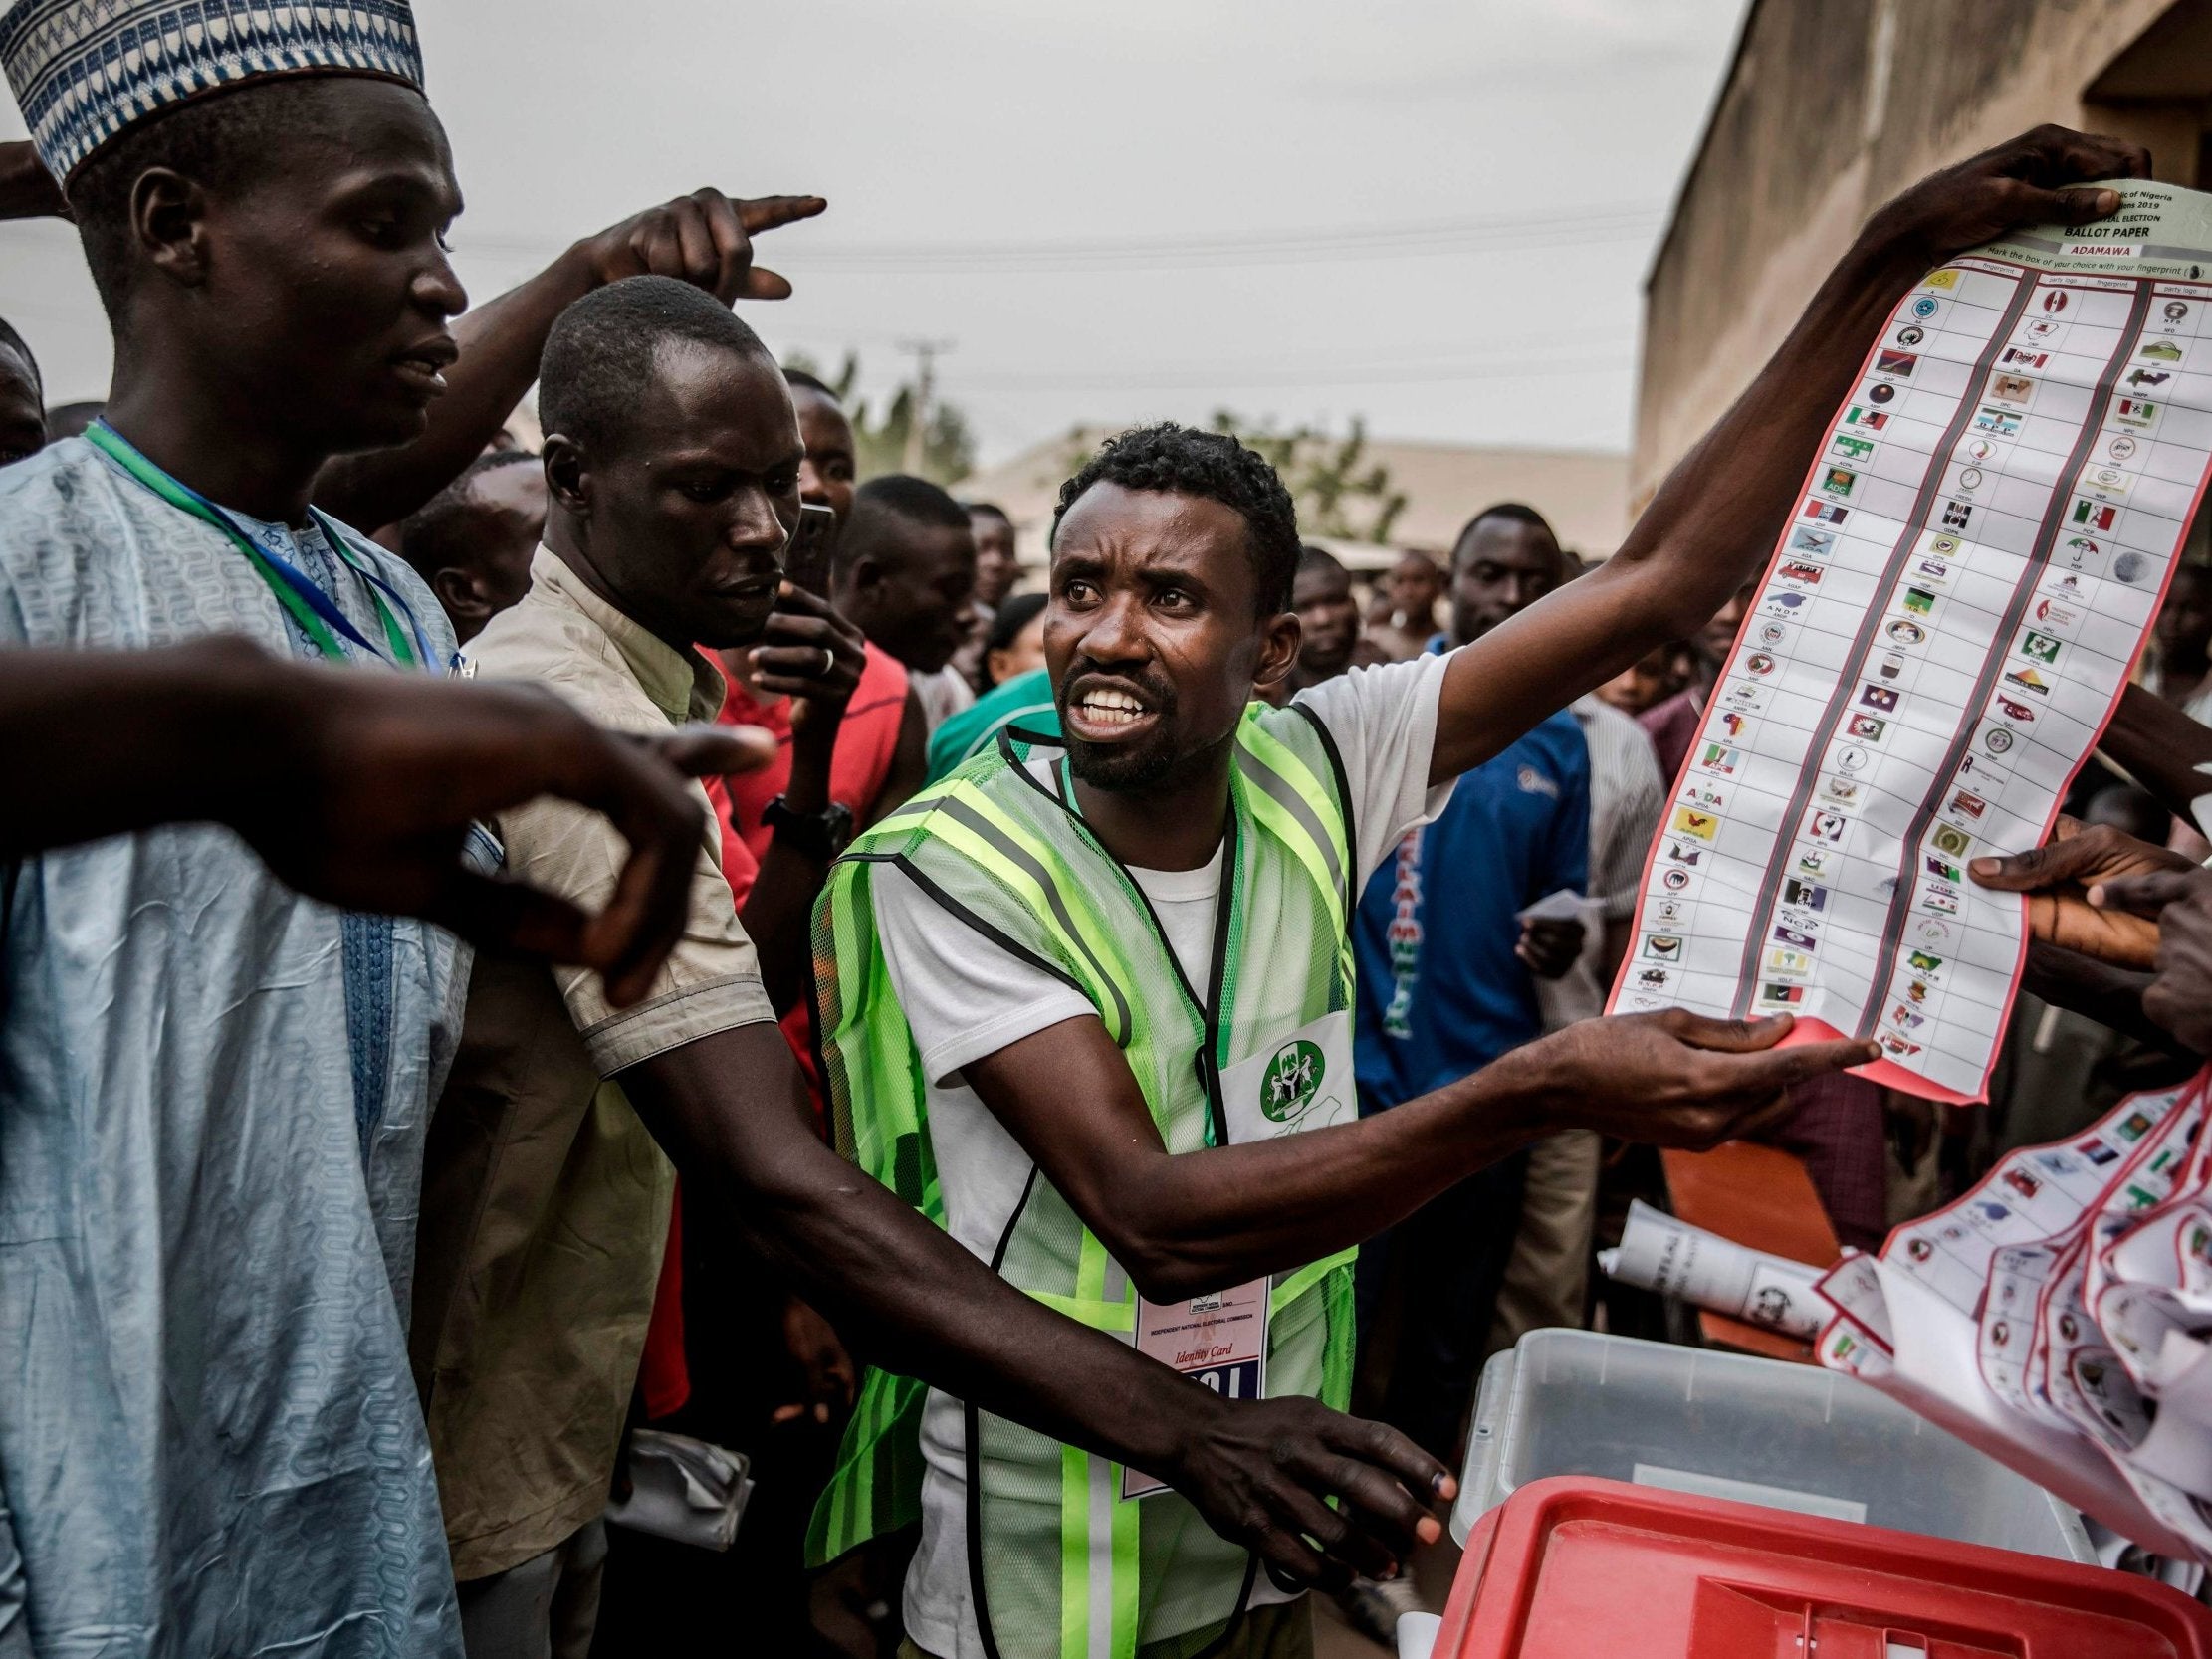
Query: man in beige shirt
x=672 y=463
x=540 y=1184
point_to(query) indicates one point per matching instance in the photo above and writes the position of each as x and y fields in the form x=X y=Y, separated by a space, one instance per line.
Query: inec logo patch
x=1292 y=1080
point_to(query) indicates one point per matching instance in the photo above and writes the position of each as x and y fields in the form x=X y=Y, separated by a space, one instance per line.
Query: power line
x=1627 y=222
x=1275 y=374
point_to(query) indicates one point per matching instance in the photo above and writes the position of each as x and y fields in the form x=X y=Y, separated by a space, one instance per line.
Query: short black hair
x=1182 y=461
x=10 y=340
x=798 y=377
x=896 y=496
x=228 y=142
x=1312 y=561
x=991 y=507
x=1012 y=616
x=436 y=536
x=1515 y=513
x=602 y=351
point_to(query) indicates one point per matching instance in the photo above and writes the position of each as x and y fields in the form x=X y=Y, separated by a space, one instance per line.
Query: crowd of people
x=507 y=950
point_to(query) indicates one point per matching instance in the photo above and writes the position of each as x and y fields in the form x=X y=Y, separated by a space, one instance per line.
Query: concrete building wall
x=1832 y=106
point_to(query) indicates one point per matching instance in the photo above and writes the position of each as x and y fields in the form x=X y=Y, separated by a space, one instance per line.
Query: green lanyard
x=300 y=596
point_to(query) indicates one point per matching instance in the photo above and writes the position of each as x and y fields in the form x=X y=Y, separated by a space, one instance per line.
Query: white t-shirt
x=941 y=693
x=965 y=997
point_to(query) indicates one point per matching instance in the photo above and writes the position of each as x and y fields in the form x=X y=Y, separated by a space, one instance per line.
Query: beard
x=1123 y=767
x=1118 y=768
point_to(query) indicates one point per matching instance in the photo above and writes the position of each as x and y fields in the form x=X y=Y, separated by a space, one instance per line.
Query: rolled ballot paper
x=1659 y=1253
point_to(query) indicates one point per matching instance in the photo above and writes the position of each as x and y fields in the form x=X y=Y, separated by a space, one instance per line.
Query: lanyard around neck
x=303 y=598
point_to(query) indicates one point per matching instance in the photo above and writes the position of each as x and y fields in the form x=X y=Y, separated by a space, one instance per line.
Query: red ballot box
x=1580 y=1568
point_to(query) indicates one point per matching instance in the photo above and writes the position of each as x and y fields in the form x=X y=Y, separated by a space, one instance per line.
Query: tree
x=948 y=442
x=1334 y=496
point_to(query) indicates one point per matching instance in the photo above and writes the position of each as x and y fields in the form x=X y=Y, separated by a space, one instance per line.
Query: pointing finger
x=1810 y=1060
x=766 y=213
x=1728 y=1036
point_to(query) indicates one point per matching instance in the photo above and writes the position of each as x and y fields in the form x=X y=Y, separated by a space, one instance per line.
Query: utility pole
x=926 y=353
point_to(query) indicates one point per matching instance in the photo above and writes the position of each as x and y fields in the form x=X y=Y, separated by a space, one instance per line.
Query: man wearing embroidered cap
x=213 y=1093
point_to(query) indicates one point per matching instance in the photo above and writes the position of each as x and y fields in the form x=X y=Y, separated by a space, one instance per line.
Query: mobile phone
x=807 y=554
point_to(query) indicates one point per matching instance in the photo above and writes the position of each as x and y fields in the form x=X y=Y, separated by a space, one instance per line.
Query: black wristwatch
x=821 y=835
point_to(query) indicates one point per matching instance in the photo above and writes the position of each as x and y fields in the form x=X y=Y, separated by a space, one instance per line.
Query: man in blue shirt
x=1446 y=985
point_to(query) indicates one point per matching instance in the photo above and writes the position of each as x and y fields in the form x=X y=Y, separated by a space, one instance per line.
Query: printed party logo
x=1292 y=1081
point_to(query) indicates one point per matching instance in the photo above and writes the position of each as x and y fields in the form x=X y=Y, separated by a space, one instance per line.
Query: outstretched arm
x=1718 y=514
x=731 y=1112
x=1186 y=1225
x=705 y=238
x=358 y=788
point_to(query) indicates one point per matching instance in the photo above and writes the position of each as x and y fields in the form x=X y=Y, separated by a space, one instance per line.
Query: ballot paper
x=1659 y=1253
x=2058 y=1317
x=1965 y=583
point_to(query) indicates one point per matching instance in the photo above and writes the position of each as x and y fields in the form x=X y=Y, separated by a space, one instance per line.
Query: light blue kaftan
x=213 y=1094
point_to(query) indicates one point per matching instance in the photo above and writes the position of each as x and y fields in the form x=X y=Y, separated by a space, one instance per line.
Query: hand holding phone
x=807 y=556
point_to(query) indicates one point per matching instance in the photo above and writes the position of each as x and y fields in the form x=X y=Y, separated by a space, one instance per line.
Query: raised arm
x=732 y=1113
x=1186 y=1225
x=705 y=238
x=1716 y=517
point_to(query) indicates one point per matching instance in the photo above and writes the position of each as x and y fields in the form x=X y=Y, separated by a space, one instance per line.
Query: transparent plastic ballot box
x=1758 y=1431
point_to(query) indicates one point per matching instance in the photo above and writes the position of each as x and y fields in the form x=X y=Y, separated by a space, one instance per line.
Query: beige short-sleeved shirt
x=545 y=1201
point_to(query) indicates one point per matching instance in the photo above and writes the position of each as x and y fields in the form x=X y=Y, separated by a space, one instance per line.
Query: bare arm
x=778 y=910
x=731 y=1112
x=357 y=788
x=1186 y=1225
x=704 y=238
x=2162 y=748
x=1717 y=515
x=910 y=763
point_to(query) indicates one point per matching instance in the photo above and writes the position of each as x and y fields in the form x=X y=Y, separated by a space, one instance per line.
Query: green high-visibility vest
x=1060 y=1562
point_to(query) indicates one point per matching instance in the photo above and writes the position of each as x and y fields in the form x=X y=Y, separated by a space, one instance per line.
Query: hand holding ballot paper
x=1939 y=638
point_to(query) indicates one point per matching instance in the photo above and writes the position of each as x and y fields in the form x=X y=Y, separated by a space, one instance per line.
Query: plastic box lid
x=1728 y=1425
x=1576 y=1569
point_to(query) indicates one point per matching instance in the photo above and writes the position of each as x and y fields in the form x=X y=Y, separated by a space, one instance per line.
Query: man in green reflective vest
x=1085 y=1001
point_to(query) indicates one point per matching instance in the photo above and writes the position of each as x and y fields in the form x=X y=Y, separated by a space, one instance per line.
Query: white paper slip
x=1659 y=1253
x=1563 y=905
x=1947 y=622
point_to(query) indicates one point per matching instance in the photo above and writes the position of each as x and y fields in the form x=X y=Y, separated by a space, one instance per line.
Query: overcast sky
x=1435 y=214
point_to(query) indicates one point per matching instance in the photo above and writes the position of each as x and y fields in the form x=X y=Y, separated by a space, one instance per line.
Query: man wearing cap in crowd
x=199 y=1069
